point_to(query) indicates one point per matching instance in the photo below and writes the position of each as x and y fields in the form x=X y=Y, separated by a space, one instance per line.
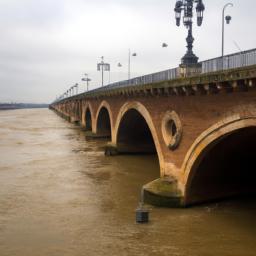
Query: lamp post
x=187 y=6
x=129 y=62
x=228 y=19
x=87 y=80
x=102 y=66
x=119 y=65
x=76 y=86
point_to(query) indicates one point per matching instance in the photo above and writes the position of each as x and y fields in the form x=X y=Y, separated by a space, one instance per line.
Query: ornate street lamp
x=103 y=66
x=129 y=62
x=76 y=86
x=87 y=80
x=187 y=6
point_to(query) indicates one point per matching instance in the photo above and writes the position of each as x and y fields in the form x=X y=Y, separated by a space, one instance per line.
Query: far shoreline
x=15 y=106
x=5 y=109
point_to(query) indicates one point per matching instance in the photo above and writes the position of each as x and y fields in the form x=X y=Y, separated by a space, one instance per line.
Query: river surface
x=60 y=196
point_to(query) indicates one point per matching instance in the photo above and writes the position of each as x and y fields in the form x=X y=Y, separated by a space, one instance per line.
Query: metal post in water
x=142 y=213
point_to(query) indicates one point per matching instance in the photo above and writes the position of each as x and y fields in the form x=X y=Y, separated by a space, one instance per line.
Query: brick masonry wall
x=197 y=113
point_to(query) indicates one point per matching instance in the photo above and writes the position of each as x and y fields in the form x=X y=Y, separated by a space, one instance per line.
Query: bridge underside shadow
x=226 y=168
x=103 y=124
x=134 y=136
x=88 y=120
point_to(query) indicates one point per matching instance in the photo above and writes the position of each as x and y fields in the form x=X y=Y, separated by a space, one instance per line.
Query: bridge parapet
x=214 y=82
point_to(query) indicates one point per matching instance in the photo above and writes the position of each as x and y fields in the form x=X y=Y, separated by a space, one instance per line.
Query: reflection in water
x=59 y=195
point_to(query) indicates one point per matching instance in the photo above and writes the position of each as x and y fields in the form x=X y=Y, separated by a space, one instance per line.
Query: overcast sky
x=47 y=45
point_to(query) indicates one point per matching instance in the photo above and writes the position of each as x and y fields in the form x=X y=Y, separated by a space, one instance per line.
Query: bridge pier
x=92 y=135
x=74 y=120
x=111 y=150
x=62 y=115
x=164 y=192
x=122 y=148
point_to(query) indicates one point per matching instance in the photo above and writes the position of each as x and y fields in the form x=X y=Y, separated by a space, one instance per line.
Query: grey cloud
x=46 y=45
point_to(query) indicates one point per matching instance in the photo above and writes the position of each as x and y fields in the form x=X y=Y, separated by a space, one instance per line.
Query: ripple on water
x=98 y=177
x=62 y=197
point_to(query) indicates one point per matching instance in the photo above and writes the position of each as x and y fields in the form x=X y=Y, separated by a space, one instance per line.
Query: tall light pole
x=129 y=62
x=87 y=80
x=76 y=86
x=119 y=65
x=102 y=66
x=187 y=6
x=228 y=19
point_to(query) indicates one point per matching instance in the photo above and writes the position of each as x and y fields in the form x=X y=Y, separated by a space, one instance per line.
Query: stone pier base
x=111 y=150
x=91 y=135
x=163 y=192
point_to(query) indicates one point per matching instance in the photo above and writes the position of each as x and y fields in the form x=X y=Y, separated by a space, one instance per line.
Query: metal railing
x=147 y=79
x=236 y=60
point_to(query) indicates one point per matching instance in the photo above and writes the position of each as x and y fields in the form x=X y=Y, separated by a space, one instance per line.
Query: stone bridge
x=202 y=128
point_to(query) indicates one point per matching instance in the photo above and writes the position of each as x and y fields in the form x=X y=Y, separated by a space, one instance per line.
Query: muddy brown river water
x=60 y=196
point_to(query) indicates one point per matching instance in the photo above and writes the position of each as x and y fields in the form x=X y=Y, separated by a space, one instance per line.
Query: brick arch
x=209 y=138
x=88 y=106
x=146 y=115
x=104 y=104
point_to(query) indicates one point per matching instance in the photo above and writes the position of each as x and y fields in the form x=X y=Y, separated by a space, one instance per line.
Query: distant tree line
x=9 y=106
